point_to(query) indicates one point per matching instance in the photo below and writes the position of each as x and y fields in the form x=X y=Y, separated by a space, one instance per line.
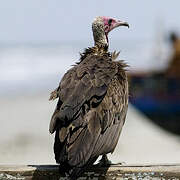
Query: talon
x=104 y=162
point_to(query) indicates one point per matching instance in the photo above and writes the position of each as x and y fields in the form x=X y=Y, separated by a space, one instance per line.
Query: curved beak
x=120 y=23
x=117 y=23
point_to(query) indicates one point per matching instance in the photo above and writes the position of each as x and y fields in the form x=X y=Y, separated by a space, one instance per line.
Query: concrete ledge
x=125 y=172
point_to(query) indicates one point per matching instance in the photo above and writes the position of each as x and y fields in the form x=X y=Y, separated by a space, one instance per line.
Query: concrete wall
x=125 y=172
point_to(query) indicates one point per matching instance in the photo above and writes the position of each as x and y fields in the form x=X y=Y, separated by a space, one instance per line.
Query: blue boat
x=158 y=97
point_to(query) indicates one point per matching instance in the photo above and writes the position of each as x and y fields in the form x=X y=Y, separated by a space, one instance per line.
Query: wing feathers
x=86 y=83
x=91 y=109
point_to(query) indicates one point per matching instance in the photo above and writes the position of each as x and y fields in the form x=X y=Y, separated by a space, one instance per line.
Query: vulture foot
x=104 y=162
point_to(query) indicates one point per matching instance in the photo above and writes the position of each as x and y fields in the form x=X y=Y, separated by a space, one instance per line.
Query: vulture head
x=101 y=26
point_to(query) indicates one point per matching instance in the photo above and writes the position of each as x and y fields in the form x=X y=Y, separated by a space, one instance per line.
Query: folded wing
x=82 y=88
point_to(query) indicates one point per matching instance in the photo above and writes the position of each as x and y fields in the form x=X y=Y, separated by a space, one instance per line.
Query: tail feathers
x=75 y=172
x=73 y=161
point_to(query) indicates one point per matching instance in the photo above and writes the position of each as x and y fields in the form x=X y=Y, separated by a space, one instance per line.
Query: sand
x=24 y=136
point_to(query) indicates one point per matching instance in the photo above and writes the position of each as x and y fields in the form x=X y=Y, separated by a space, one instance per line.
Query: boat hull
x=158 y=97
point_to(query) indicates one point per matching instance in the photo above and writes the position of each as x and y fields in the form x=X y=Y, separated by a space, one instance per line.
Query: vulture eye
x=109 y=21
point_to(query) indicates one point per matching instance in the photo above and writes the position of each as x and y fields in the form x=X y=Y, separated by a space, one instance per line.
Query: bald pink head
x=111 y=23
x=101 y=26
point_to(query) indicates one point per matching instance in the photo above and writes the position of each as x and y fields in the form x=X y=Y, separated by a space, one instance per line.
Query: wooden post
x=125 y=172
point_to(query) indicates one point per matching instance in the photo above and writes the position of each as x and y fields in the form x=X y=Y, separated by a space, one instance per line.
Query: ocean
x=29 y=68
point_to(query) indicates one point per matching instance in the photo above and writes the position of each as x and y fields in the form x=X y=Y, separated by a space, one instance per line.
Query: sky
x=23 y=21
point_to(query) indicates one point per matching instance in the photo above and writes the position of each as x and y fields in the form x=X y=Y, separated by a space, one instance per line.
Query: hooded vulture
x=92 y=104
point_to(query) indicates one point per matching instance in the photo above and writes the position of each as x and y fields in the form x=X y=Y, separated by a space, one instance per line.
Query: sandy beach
x=24 y=136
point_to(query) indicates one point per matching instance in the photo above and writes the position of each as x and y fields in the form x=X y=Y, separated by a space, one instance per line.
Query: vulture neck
x=100 y=38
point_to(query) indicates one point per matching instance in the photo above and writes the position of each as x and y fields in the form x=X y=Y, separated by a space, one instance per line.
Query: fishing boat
x=158 y=97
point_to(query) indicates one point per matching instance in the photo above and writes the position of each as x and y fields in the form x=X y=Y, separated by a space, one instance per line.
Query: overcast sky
x=58 y=20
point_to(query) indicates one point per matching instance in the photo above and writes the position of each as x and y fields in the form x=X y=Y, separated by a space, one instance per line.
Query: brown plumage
x=91 y=109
